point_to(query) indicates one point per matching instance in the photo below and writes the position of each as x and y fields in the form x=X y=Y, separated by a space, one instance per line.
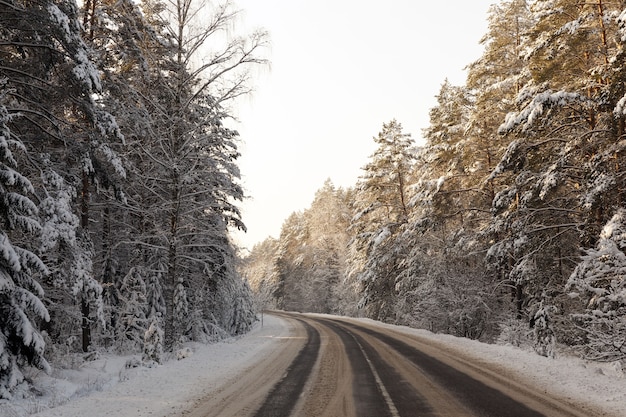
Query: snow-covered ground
x=105 y=387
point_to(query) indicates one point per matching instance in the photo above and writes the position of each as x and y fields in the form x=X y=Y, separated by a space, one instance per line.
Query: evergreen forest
x=508 y=225
x=120 y=185
x=119 y=180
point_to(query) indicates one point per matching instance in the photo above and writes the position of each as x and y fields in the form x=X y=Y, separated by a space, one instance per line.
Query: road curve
x=342 y=367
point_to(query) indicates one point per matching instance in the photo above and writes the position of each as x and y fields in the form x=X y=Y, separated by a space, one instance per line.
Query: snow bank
x=106 y=387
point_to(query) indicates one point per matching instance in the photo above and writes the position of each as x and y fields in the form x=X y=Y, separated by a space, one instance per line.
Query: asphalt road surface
x=341 y=367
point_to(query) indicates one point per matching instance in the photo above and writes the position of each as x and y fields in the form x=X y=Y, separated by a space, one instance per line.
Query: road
x=342 y=367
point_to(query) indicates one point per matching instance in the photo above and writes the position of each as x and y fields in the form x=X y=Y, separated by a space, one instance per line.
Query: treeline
x=509 y=223
x=118 y=178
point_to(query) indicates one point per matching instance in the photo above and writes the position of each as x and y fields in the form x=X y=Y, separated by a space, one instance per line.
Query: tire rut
x=479 y=397
x=400 y=397
x=284 y=396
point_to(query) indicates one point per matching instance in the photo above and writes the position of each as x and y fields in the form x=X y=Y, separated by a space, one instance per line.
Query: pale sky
x=339 y=70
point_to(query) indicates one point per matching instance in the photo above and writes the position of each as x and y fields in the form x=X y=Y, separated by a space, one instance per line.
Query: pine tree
x=258 y=270
x=133 y=323
x=382 y=210
x=599 y=281
x=155 y=304
x=562 y=124
x=52 y=79
x=21 y=295
x=291 y=263
x=328 y=221
x=153 y=344
x=441 y=280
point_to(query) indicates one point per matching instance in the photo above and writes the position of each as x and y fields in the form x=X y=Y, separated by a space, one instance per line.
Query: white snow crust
x=105 y=387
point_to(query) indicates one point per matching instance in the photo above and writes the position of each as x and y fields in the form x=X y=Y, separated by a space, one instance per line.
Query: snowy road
x=343 y=373
x=342 y=367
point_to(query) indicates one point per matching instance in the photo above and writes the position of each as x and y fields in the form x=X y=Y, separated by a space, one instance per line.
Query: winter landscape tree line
x=508 y=225
x=119 y=184
x=118 y=178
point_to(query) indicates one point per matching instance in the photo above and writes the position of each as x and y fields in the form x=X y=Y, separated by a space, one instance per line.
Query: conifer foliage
x=118 y=177
x=21 y=295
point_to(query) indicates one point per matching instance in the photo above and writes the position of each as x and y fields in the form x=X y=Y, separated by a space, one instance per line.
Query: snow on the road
x=106 y=388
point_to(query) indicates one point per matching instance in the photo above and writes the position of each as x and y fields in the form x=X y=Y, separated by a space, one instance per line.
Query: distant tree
x=292 y=262
x=328 y=219
x=258 y=270
x=305 y=269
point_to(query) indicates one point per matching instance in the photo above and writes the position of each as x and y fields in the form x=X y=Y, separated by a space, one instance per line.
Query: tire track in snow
x=285 y=394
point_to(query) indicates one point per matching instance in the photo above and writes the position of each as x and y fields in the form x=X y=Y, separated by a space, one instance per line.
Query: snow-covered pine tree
x=495 y=80
x=441 y=281
x=328 y=219
x=52 y=79
x=21 y=305
x=181 y=211
x=600 y=281
x=132 y=324
x=68 y=255
x=181 y=309
x=155 y=304
x=153 y=343
x=562 y=126
x=291 y=263
x=258 y=270
x=58 y=236
x=381 y=202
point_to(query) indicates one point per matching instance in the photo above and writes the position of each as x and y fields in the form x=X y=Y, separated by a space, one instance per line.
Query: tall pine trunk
x=84 y=223
x=170 y=277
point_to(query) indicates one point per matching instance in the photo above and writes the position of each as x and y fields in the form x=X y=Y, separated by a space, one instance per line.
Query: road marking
x=392 y=408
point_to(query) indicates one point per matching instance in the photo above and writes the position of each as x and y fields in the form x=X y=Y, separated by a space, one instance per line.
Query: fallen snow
x=105 y=387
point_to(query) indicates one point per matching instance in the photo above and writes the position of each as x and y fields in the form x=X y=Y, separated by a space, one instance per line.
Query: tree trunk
x=84 y=223
x=86 y=328
x=170 y=277
x=519 y=301
x=168 y=295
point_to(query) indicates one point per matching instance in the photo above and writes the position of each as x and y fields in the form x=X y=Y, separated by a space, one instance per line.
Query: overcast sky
x=339 y=70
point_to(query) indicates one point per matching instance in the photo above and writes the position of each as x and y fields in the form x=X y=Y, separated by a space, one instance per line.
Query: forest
x=508 y=224
x=119 y=186
x=118 y=179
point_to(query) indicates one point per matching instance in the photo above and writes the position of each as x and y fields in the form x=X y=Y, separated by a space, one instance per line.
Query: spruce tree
x=21 y=306
x=599 y=282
